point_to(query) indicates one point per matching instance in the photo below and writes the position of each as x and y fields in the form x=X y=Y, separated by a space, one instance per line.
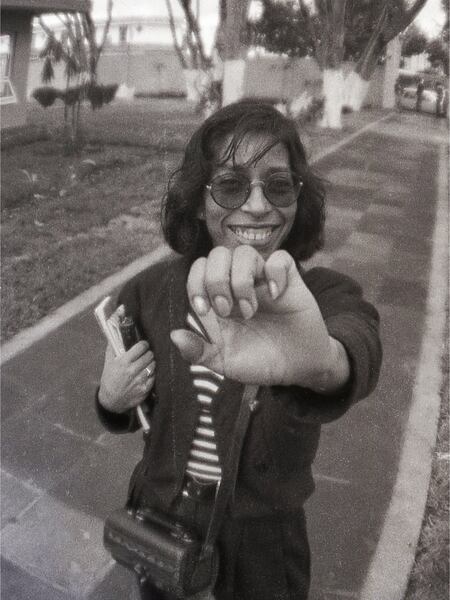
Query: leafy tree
x=437 y=52
x=316 y=29
x=334 y=30
x=393 y=18
x=445 y=30
x=438 y=49
x=282 y=29
x=79 y=51
x=413 y=41
x=231 y=43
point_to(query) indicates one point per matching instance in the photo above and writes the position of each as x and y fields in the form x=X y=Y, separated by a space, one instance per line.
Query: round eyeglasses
x=232 y=190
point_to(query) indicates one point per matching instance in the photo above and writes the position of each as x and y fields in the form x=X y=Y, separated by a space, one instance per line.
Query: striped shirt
x=203 y=462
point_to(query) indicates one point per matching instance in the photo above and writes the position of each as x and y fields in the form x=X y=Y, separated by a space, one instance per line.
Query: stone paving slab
x=104 y=474
x=60 y=546
x=16 y=497
x=37 y=451
x=17 y=584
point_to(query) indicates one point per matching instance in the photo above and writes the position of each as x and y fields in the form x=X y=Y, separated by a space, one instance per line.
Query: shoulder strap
x=229 y=472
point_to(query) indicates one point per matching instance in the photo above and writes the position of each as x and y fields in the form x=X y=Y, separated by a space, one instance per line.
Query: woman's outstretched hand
x=264 y=325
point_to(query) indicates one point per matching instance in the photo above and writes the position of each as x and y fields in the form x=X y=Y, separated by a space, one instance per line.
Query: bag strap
x=226 y=485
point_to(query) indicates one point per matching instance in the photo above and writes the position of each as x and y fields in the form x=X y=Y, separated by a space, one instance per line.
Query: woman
x=237 y=308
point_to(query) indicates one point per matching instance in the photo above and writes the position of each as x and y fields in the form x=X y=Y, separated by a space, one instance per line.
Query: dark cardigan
x=275 y=470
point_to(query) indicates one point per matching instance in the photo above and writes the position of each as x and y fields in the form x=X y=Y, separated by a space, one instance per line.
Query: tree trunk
x=355 y=91
x=235 y=50
x=192 y=78
x=233 y=80
x=333 y=88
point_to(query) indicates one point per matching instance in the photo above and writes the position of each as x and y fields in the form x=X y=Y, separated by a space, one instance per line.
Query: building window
x=123 y=34
x=7 y=93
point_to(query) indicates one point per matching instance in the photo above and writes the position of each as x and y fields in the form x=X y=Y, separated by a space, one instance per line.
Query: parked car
x=407 y=79
x=407 y=99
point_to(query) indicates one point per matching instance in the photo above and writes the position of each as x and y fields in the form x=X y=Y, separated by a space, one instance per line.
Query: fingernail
x=274 y=291
x=222 y=305
x=246 y=309
x=200 y=305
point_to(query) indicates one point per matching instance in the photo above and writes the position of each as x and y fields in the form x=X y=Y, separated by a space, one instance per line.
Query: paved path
x=61 y=473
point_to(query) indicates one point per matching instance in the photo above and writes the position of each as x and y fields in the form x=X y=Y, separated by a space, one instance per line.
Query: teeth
x=253 y=234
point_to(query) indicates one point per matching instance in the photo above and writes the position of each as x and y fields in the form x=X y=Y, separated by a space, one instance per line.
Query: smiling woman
x=262 y=197
x=237 y=309
x=247 y=157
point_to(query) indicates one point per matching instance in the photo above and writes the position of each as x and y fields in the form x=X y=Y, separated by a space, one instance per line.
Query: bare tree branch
x=106 y=28
x=173 y=30
x=220 y=42
x=194 y=29
x=393 y=19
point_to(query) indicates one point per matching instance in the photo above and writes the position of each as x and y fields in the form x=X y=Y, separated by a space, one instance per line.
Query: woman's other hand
x=126 y=379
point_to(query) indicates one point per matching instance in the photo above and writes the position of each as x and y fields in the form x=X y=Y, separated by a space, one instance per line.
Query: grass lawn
x=68 y=222
x=430 y=577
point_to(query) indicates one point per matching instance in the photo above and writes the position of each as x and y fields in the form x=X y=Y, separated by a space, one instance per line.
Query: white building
x=122 y=30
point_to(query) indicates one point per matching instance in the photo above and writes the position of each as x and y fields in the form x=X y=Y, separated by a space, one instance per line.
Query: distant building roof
x=41 y=6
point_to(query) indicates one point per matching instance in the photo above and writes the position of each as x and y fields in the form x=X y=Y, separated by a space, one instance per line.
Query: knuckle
x=199 y=264
x=245 y=250
x=197 y=268
x=219 y=253
x=280 y=258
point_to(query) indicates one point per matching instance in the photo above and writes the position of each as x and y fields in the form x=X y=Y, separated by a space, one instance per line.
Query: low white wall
x=148 y=69
x=156 y=70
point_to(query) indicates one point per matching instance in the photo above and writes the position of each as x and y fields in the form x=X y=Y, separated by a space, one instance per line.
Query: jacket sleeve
x=126 y=422
x=355 y=323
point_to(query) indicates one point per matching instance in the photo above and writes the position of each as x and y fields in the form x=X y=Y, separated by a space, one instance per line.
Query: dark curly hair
x=185 y=232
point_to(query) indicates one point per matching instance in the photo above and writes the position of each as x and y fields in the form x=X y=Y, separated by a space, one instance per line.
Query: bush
x=98 y=94
x=72 y=95
x=46 y=95
x=312 y=113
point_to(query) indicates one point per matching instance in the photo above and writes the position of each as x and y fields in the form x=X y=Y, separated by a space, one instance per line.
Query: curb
x=27 y=337
x=393 y=560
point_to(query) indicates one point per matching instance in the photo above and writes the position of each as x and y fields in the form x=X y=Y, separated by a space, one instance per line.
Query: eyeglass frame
x=258 y=182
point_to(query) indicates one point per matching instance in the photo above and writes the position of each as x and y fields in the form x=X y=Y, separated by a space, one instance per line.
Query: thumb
x=190 y=345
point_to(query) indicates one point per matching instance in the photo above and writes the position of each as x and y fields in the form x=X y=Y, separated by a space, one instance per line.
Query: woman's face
x=257 y=222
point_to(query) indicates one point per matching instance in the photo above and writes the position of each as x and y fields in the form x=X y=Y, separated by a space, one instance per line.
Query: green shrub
x=46 y=95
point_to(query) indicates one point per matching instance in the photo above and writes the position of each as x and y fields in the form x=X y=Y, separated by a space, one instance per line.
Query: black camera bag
x=158 y=548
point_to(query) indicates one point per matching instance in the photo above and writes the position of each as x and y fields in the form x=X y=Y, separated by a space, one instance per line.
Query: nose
x=257 y=203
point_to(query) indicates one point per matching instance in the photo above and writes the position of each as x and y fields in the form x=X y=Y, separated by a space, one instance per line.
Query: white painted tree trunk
x=192 y=78
x=391 y=66
x=233 y=80
x=333 y=92
x=355 y=91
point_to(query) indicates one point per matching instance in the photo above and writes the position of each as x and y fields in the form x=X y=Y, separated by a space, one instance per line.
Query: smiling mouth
x=254 y=234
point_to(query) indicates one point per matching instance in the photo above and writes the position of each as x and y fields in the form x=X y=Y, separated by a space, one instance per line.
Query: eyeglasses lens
x=232 y=191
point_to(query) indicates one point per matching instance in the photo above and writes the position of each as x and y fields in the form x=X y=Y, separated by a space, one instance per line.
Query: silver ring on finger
x=148 y=372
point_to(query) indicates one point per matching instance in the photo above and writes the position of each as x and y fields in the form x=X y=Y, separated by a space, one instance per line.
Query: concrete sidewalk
x=62 y=474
